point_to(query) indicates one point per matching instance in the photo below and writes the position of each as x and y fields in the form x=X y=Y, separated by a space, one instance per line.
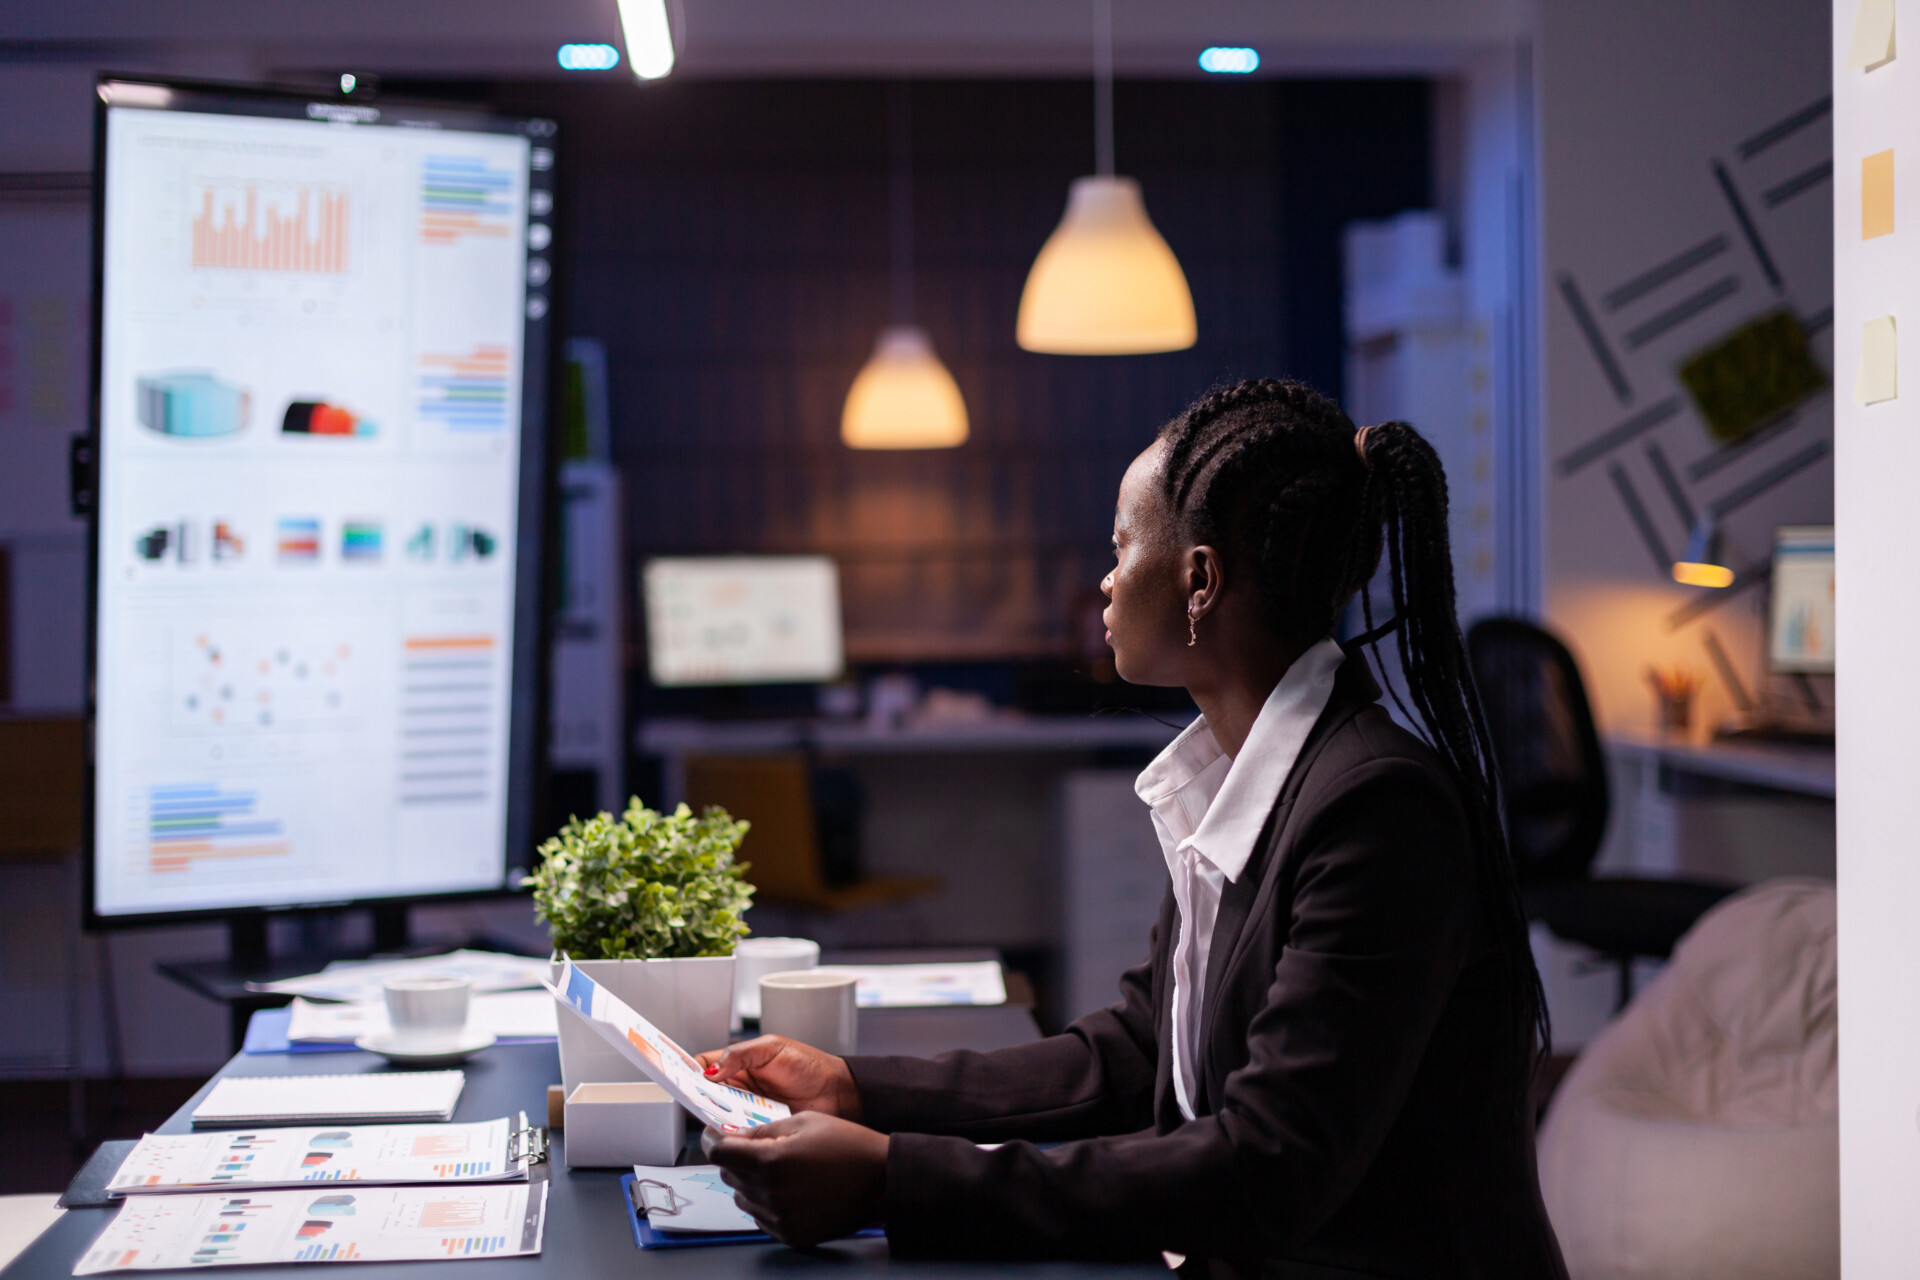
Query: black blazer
x=1353 y=1020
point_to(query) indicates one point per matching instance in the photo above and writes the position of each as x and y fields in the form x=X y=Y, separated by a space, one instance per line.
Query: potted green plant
x=649 y=905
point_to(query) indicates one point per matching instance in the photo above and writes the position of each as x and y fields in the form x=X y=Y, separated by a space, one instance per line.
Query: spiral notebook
x=374 y=1097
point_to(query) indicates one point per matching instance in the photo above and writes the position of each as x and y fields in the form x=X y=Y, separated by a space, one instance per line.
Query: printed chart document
x=373 y=1097
x=688 y=1198
x=510 y=1015
x=330 y=1224
x=366 y=980
x=910 y=986
x=718 y=1106
x=291 y=1157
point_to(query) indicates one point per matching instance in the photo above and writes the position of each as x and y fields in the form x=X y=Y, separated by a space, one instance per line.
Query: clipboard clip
x=527 y=1146
x=650 y=1196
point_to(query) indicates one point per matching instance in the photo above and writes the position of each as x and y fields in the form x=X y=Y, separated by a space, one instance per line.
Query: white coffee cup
x=428 y=1008
x=813 y=1006
x=754 y=958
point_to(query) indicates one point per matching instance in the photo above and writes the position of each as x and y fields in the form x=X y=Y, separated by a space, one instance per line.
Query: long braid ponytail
x=1274 y=474
x=1407 y=500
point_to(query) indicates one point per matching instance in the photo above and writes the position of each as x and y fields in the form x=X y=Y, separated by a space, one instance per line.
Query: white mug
x=425 y=1008
x=754 y=958
x=813 y=1006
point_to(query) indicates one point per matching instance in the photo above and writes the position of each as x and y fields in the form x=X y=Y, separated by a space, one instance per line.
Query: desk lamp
x=1700 y=564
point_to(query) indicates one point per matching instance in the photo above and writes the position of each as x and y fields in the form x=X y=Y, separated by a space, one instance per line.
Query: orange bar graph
x=310 y=238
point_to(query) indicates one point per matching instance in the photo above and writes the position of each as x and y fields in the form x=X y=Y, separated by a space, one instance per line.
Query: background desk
x=1030 y=821
x=587 y=1237
x=1737 y=811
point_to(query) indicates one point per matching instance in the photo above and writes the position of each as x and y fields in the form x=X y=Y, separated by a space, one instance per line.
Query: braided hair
x=1268 y=471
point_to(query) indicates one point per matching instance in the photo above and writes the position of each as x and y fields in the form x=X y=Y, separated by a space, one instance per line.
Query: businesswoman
x=1321 y=1069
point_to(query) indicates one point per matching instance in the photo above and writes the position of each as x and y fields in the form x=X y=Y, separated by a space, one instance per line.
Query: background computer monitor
x=1800 y=625
x=714 y=620
x=322 y=332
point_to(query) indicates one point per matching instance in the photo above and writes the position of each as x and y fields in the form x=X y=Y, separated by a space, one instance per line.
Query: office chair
x=779 y=796
x=1554 y=788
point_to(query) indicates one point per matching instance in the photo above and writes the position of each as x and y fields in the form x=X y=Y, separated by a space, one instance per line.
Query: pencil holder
x=615 y=1125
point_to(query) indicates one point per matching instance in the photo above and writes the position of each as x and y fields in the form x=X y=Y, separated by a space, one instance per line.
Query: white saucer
x=425 y=1053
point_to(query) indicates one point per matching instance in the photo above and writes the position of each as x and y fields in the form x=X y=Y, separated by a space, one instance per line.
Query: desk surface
x=587 y=1236
x=1778 y=766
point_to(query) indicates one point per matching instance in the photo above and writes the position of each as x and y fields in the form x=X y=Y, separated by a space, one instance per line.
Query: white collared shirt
x=1208 y=809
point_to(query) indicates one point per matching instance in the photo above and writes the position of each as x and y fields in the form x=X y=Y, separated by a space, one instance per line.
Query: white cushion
x=1698 y=1138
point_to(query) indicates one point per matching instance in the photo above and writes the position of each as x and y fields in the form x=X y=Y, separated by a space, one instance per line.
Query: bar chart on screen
x=256 y=225
x=465 y=197
x=466 y=392
x=189 y=825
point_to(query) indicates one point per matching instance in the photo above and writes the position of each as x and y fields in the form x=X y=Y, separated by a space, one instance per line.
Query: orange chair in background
x=775 y=794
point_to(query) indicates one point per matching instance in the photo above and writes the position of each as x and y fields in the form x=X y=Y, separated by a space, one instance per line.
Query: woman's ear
x=1206 y=579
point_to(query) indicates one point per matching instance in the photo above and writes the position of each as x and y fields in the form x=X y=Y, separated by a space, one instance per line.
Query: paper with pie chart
x=364 y=1154
x=321 y=1224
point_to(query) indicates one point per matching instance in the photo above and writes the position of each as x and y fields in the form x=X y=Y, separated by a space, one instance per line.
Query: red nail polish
x=712 y=1070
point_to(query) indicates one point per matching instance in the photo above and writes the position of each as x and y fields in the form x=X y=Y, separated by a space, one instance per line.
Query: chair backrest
x=775 y=794
x=1553 y=774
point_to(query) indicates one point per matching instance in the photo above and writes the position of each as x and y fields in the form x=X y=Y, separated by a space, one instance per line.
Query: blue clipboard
x=647 y=1236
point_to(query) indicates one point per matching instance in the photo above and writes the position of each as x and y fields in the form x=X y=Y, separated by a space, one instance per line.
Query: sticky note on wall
x=1872 y=35
x=1879 y=376
x=1876 y=195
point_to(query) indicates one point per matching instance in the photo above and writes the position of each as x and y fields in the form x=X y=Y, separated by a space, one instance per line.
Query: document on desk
x=718 y=1106
x=366 y=980
x=369 y=1097
x=919 y=986
x=321 y=1224
x=368 y=1154
x=510 y=1015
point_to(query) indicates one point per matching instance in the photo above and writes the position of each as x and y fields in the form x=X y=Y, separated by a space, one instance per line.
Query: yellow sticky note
x=1876 y=195
x=1879 y=377
x=1872 y=35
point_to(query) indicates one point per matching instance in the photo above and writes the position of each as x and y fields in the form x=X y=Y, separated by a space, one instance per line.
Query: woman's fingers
x=724 y=1064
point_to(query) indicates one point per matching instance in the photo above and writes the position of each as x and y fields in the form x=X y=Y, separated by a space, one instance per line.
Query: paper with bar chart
x=314 y=334
x=366 y=1224
x=271 y=1158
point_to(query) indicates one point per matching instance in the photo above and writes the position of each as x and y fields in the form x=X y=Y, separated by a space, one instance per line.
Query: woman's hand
x=806 y=1179
x=803 y=1077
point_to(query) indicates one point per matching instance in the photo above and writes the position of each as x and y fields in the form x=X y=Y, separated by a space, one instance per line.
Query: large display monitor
x=1800 y=629
x=320 y=383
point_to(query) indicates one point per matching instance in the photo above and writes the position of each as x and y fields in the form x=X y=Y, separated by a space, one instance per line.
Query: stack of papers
x=512 y=1015
x=396 y=1097
x=365 y=981
x=274 y=1158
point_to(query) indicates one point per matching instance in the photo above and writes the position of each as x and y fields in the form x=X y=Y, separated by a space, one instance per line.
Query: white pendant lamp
x=903 y=397
x=648 y=37
x=1105 y=283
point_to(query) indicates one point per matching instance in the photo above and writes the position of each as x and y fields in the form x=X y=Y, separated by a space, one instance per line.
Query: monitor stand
x=249 y=961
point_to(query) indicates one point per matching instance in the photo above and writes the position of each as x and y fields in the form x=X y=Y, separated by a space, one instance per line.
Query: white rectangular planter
x=690 y=999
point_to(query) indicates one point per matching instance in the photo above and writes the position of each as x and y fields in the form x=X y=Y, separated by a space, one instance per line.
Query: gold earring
x=1193 y=636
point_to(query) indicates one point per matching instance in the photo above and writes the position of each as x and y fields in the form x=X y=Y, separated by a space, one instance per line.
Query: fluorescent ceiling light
x=1227 y=61
x=588 y=57
x=643 y=25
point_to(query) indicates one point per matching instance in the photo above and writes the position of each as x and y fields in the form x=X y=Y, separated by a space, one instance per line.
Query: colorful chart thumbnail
x=190 y=404
x=360 y=541
x=317 y=418
x=299 y=539
x=465 y=540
